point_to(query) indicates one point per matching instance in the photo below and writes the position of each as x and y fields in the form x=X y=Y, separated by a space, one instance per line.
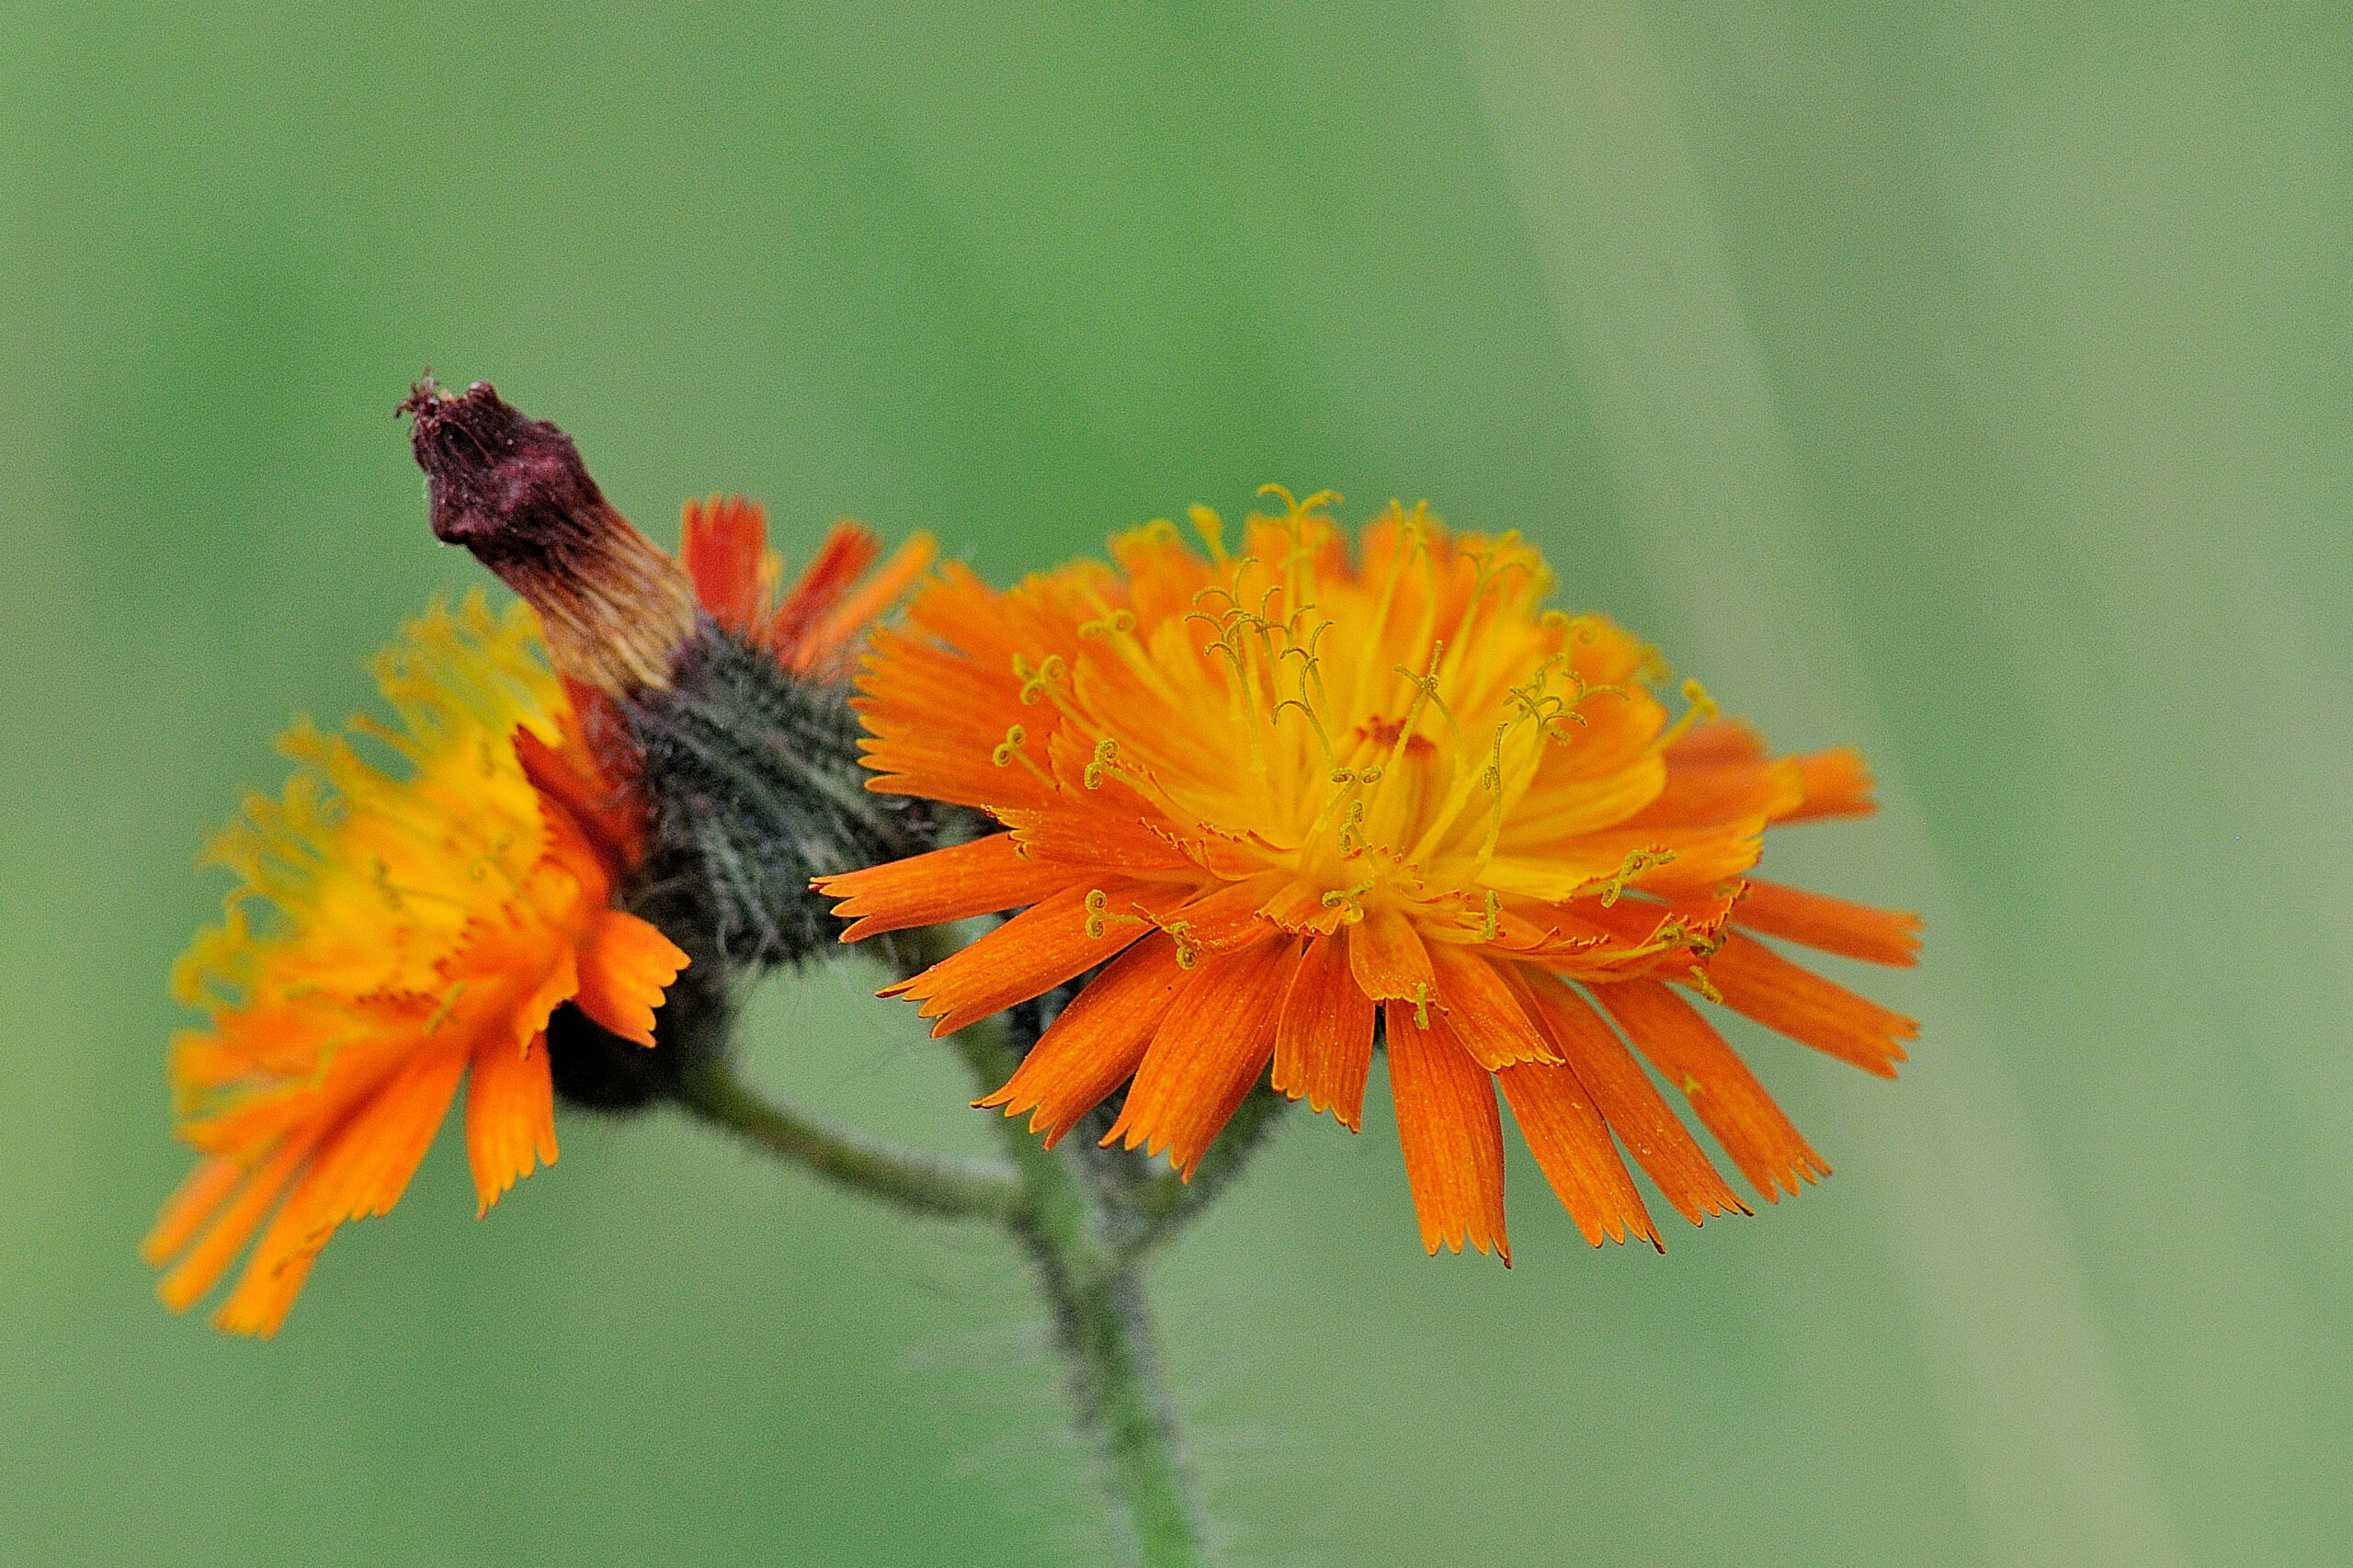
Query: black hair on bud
x=755 y=787
x=754 y=784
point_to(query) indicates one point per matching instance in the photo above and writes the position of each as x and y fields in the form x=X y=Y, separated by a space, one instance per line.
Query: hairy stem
x=1163 y=1210
x=1102 y=1325
x=919 y=1182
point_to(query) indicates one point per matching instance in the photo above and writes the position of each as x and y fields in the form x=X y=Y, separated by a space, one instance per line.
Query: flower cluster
x=1258 y=814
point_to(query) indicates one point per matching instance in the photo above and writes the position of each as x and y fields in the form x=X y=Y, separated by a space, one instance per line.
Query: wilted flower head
x=1276 y=794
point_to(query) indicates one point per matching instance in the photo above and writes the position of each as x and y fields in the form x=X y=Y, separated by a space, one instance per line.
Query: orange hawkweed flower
x=424 y=928
x=1271 y=794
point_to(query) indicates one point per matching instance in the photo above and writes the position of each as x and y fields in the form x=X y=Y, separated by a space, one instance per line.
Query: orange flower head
x=417 y=930
x=1275 y=793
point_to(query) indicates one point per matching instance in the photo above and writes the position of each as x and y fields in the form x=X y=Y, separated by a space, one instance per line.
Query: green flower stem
x=1084 y=1228
x=1171 y=1201
x=1093 y=1282
x=919 y=1183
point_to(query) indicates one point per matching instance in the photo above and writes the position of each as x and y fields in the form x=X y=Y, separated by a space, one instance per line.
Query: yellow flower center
x=1413 y=733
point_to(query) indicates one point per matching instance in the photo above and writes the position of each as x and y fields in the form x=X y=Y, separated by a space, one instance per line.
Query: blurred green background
x=1971 y=386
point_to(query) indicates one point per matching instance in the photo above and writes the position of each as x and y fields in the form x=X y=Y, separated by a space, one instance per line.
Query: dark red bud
x=514 y=491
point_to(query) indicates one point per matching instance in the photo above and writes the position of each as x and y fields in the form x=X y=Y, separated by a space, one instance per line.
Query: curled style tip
x=513 y=490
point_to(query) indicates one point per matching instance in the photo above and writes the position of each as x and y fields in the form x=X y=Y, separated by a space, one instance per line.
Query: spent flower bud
x=725 y=719
x=513 y=490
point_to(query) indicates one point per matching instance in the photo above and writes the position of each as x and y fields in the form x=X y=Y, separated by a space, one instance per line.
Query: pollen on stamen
x=1099 y=917
x=1211 y=528
x=1038 y=682
x=1703 y=708
x=1345 y=900
x=1637 y=861
x=1120 y=623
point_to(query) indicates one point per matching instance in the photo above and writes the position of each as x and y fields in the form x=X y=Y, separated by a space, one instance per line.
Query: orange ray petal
x=849 y=551
x=1389 y=958
x=361 y=1169
x=1096 y=1043
x=560 y=984
x=1832 y=924
x=1074 y=836
x=1719 y=739
x=1837 y=784
x=1323 y=1041
x=1629 y=1102
x=364 y=1164
x=719 y=544
x=261 y=1300
x=207 y=1185
x=608 y=817
x=1029 y=954
x=626 y=966
x=933 y=687
x=1211 y=1045
x=828 y=643
x=956 y=883
x=510 y=1116
x=1481 y=1011
x=1299 y=906
x=961 y=775
x=1724 y=793
x=1546 y=817
x=234 y=1225
x=1761 y=983
x=1571 y=1146
x=1226 y=918
x=1688 y=1052
x=1701 y=856
x=1452 y=1134
x=363 y=1062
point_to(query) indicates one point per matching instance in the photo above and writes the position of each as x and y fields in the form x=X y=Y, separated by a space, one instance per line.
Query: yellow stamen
x=1702 y=707
x=1107 y=751
x=1345 y=900
x=1009 y=751
x=1098 y=914
x=1119 y=621
x=448 y=1005
x=1211 y=528
x=1637 y=861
